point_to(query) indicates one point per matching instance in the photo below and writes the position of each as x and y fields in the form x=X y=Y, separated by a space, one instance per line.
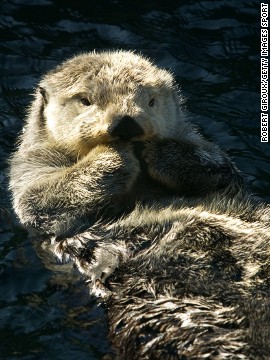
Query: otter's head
x=97 y=98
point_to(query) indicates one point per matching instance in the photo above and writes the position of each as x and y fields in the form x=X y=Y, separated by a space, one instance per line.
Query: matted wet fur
x=155 y=217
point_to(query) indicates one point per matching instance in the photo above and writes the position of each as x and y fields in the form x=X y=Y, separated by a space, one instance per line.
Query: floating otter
x=154 y=216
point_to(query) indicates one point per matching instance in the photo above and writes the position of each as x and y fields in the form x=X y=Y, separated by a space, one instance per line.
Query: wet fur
x=160 y=225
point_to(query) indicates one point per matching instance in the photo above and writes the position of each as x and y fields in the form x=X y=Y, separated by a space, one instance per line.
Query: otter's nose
x=127 y=128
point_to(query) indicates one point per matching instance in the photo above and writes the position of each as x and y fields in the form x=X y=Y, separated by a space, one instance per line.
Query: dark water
x=213 y=48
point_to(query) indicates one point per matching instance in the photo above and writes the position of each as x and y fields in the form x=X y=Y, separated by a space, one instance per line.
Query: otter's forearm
x=191 y=168
x=54 y=198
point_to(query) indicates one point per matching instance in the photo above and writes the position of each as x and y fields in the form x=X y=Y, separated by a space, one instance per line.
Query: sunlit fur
x=160 y=225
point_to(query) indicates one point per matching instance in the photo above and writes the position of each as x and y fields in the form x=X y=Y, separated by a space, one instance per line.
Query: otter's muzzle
x=127 y=128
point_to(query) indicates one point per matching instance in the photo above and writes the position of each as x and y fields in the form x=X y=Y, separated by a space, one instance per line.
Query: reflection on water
x=213 y=48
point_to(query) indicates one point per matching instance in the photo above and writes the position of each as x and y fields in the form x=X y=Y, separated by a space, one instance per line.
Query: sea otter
x=154 y=216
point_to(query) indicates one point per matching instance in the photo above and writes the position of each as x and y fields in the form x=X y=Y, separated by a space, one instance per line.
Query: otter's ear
x=44 y=94
x=39 y=104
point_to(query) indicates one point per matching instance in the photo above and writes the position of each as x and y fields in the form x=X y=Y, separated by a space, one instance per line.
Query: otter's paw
x=129 y=165
x=94 y=259
x=159 y=158
x=189 y=169
x=105 y=259
x=116 y=166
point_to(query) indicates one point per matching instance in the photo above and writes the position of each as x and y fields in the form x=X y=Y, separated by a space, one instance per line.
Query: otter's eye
x=85 y=102
x=151 y=102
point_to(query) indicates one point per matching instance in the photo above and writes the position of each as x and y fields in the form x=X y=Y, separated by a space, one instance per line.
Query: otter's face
x=99 y=98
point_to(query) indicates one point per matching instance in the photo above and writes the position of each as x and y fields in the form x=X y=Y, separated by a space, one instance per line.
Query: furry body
x=152 y=215
x=189 y=280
